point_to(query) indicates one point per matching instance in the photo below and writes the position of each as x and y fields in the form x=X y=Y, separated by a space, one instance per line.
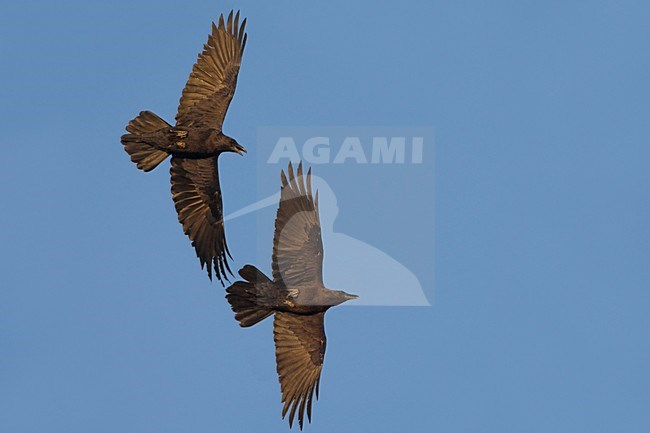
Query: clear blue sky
x=540 y=320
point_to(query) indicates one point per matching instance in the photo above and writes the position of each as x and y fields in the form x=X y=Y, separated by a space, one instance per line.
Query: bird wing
x=197 y=196
x=297 y=243
x=299 y=352
x=211 y=85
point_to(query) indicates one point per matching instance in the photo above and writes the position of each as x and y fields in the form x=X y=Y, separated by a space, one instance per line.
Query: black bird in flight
x=296 y=295
x=196 y=141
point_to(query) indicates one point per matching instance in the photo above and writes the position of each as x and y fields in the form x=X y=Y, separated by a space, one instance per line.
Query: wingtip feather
x=230 y=22
x=241 y=29
x=283 y=178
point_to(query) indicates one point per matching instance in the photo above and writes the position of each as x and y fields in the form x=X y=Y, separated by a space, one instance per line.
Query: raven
x=296 y=295
x=195 y=143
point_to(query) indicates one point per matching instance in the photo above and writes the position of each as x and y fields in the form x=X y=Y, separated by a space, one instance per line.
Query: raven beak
x=240 y=149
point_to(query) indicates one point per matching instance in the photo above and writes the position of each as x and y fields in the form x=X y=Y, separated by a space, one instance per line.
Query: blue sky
x=539 y=319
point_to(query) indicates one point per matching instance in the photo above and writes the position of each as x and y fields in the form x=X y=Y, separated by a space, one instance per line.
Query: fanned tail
x=145 y=156
x=246 y=297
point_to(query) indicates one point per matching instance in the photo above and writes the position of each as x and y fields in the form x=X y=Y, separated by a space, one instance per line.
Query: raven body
x=296 y=295
x=196 y=141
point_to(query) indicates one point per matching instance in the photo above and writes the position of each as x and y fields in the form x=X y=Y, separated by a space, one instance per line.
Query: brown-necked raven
x=296 y=295
x=196 y=141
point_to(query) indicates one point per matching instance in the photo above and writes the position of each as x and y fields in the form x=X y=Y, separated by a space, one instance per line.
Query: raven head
x=233 y=146
x=229 y=144
x=336 y=297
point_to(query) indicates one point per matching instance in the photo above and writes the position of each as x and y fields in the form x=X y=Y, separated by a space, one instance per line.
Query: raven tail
x=246 y=297
x=143 y=154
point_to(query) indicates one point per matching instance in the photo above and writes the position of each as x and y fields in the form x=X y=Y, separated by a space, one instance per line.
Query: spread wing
x=297 y=243
x=299 y=352
x=197 y=196
x=211 y=85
